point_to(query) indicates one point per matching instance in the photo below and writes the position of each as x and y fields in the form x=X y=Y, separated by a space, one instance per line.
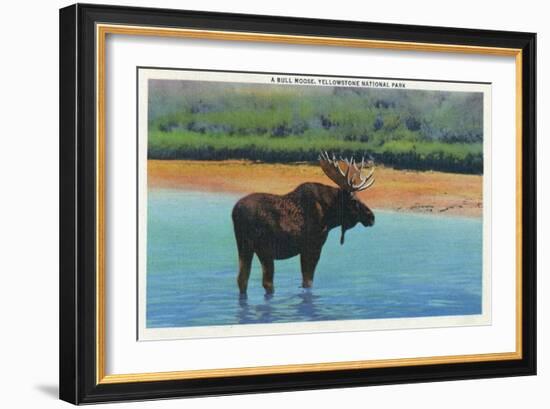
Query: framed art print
x=336 y=203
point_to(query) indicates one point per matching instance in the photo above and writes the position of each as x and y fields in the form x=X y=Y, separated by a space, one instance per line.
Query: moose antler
x=346 y=179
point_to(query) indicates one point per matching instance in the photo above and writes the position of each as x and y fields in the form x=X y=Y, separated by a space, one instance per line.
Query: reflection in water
x=271 y=309
x=250 y=314
x=244 y=312
x=307 y=307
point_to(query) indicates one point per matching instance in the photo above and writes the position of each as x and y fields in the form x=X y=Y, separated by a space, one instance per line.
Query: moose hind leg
x=245 y=262
x=268 y=269
x=308 y=261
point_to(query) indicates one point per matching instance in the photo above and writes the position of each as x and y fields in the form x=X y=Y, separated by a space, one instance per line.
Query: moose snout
x=369 y=220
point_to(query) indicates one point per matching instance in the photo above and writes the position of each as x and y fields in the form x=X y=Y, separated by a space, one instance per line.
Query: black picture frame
x=78 y=236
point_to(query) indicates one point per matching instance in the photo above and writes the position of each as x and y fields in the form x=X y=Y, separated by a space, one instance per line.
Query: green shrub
x=462 y=158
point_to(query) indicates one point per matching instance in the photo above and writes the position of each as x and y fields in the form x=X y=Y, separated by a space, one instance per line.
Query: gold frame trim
x=102 y=30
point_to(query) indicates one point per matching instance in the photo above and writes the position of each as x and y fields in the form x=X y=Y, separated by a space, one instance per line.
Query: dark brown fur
x=277 y=227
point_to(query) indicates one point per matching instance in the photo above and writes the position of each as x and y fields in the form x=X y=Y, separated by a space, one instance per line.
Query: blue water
x=407 y=265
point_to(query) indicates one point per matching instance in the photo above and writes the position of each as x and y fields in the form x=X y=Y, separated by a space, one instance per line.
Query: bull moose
x=276 y=227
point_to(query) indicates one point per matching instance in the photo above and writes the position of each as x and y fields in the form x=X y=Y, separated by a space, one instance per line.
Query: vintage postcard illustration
x=272 y=203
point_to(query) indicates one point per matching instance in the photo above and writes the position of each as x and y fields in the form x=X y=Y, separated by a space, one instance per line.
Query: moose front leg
x=308 y=260
x=268 y=269
x=245 y=263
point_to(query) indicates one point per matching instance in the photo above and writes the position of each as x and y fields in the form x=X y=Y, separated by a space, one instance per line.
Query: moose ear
x=347 y=195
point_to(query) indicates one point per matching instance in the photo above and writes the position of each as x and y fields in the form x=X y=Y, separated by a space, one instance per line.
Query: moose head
x=349 y=178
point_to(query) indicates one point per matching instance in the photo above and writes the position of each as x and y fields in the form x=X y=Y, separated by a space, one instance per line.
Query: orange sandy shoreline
x=400 y=190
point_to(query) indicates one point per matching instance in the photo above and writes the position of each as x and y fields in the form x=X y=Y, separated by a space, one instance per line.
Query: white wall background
x=29 y=216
